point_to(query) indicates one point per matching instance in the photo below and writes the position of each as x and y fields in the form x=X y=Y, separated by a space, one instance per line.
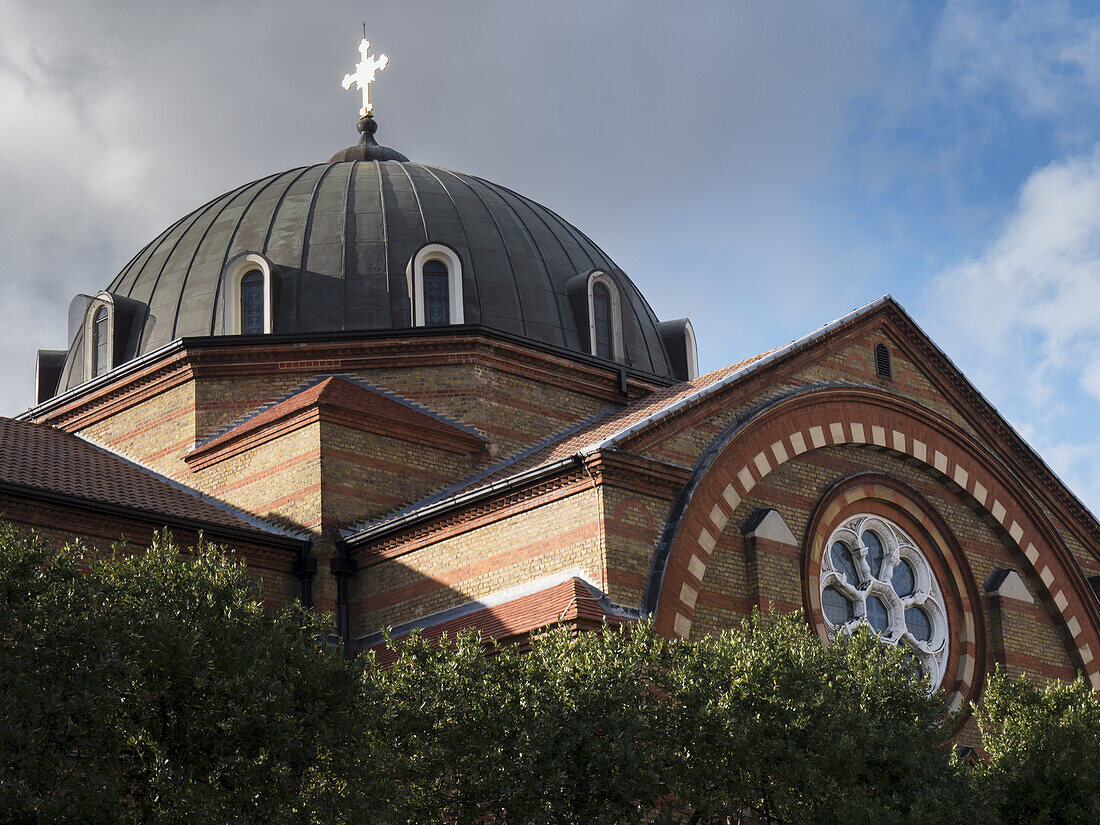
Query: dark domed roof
x=340 y=236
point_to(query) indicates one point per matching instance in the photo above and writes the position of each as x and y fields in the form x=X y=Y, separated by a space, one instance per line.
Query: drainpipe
x=305 y=568
x=343 y=567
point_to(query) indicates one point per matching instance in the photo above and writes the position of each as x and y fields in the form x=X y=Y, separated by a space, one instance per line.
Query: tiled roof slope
x=612 y=423
x=39 y=457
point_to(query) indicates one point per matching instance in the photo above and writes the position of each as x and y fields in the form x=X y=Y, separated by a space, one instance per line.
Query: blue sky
x=761 y=167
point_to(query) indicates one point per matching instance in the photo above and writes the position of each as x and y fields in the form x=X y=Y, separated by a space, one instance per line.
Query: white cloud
x=1038 y=281
x=1043 y=54
x=1023 y=317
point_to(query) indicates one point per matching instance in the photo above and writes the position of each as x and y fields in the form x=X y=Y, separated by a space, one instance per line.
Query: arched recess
x=451 y=263
x=858 y=416
x=237 y=270
x=880 y=495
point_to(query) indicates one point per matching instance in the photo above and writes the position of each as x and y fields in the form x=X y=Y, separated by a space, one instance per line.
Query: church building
x=417 y=399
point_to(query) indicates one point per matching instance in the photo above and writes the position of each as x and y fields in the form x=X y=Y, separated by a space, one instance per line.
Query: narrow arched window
x=252 y=303
x=601 y=321
x=437 y=300
x=101 y=342
x=883 y=368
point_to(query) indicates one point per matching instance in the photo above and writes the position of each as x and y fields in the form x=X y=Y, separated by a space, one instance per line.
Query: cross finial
x=364 y=73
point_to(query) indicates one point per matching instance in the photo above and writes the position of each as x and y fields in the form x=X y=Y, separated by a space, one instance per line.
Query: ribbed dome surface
x=342 y=235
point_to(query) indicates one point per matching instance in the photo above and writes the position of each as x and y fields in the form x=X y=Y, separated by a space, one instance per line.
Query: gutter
x=154 y=518
x=107 y=378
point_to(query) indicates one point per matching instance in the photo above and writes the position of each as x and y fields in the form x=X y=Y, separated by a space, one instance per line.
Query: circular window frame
x=888 y=498
x=926 y=595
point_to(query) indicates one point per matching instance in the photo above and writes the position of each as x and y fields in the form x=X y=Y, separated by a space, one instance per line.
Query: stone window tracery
x=873 y=571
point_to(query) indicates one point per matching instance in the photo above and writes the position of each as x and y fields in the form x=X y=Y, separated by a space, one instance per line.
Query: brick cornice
x=191 y=358
x=102 y=402
x=637 y=472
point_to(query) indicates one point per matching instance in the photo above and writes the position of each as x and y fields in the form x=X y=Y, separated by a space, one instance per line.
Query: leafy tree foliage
x=761 y=724
x=156 y=689
x=159 y=689
x=1044 y=751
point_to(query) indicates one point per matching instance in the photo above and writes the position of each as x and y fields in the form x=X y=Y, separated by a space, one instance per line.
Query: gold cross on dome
x=364 y=74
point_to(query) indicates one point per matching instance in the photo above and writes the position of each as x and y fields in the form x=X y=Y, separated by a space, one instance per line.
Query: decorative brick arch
x=866 y=417
x=881 y=495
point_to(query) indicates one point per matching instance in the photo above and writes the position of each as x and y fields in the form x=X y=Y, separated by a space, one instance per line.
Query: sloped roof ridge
x=241 y=420
x=1031 y=455
x=470 y=482
x=412 y=405
x=248 y=518
x=669 y=400
x=741 y=370
x=319 y=379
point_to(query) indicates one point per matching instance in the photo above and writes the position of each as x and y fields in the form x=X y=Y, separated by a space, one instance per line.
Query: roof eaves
x=502 y=597
x=252 y=521
x=156 y=518
x=108 y=377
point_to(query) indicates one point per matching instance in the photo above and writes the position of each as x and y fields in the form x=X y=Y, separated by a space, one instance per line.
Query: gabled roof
x=353 y=403
x=512 y=617
x=614 y=428
x=36 y=459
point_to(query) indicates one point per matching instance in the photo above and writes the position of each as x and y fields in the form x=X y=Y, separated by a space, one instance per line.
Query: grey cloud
x=679 y=136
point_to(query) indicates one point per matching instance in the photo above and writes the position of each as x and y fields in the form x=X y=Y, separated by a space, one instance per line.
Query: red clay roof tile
x=39 y=457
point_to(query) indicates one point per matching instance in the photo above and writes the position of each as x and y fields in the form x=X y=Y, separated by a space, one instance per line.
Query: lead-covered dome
x=339 y=239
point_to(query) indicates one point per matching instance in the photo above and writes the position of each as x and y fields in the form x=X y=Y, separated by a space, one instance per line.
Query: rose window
x=872 y=571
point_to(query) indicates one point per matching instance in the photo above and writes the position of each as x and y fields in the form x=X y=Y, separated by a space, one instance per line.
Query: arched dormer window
x=101 y=342
x=605 y=324
x=248 y=296
x=435 y=286
x=252 y=303
x=437 y=305
x=99 y=336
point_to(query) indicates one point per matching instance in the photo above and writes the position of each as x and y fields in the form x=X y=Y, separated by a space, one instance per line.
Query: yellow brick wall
x=556 y=537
